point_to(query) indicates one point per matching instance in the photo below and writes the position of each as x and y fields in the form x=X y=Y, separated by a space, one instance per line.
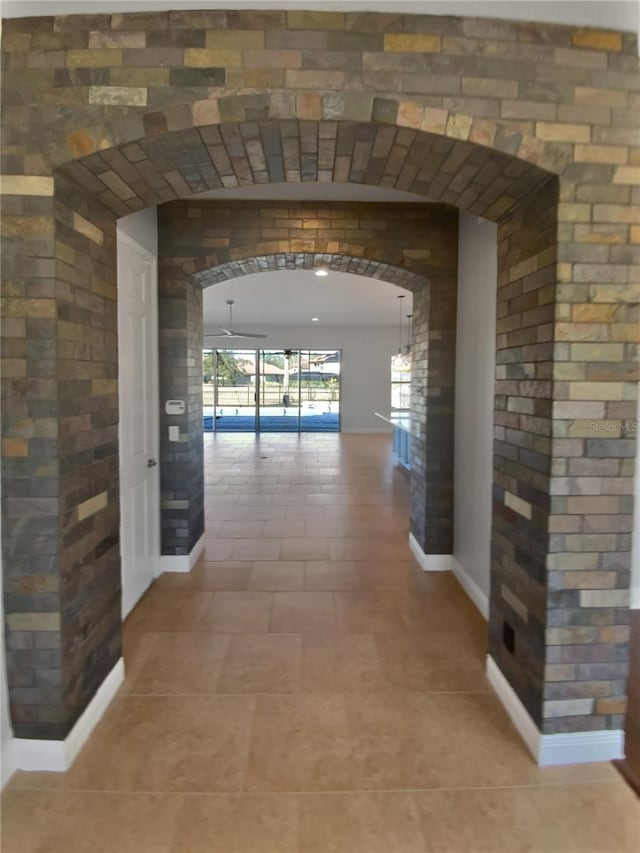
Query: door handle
x=151 y=463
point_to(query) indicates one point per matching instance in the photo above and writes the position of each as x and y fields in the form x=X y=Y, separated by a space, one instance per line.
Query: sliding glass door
x=271 y=390
x=279 y=397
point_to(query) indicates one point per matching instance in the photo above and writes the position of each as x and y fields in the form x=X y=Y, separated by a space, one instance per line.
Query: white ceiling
x=293 y=297
x=616 y=14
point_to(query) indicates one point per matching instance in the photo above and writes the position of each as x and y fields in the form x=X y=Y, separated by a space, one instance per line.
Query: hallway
x=308 y=688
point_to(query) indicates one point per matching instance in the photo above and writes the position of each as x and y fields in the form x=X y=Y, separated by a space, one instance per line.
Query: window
x=400 y=383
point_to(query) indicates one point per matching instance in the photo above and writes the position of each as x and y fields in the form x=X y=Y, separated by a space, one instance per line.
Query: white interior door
x=138 y=392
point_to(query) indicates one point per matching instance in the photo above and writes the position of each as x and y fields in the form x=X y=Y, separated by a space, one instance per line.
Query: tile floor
x=306 y=688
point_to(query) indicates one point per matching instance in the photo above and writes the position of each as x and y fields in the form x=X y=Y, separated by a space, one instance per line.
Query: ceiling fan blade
x=248 y=335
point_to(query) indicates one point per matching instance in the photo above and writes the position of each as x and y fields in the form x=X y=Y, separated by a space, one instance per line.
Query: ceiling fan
x=230 y=332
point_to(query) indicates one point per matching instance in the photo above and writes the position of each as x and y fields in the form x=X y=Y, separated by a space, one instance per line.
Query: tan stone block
x=410 y=114
x=592 y=313
x=309 y=106
x=81 y=143
x=597 y=39
x=272 y=58
x=412 y=43
x=91 y=506
x=15 y=447
x=234 y=39
x=297 y=79
x=83 y=226
x=483 y=132
x=459 y=126
x=104 y=386
x=635 y=234
x=489 y=88
x=609 y=705
x=299 y=20
x=102 y=58
x=597 y=352
x=604 y=598
x=109 y=38
x=594 y=429
x=626 y=332
x=33 y=621
x=625 y=213
x=200 y=57
x=574 y=212
x=42 y=308
x=131 y=96
x=600 y=234
x=604 y=391
x=616 y=293
x=144 y=77
x=581 y=331
x=607 y=154
x=434 y=120
x=596 y=504
x=612 y=98
x=205 y=112
x=627 y=175
x=36 y=185
x=558 y=132
x=614 y=634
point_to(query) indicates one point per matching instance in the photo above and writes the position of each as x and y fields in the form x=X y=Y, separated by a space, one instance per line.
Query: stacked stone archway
x=534 y=127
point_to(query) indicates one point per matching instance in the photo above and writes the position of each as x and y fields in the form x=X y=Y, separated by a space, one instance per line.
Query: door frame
x=154 y=413
x=257 y=355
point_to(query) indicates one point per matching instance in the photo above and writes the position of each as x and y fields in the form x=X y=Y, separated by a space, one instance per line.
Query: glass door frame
x=258 y=354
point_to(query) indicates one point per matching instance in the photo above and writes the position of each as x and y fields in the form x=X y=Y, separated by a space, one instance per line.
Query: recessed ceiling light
x=321 y=271
x=315 y=319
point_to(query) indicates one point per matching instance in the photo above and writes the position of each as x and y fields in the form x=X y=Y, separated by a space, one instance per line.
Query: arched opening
x=93 y=190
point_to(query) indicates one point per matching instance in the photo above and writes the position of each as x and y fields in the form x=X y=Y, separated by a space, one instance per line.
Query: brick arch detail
x=310 y=261
x=529 y=104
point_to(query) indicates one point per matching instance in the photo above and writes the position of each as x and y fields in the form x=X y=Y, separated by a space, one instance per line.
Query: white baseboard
x=547 y=750
x=479 y=598
x=59 y=755
x=182 y=562
x=430 y=562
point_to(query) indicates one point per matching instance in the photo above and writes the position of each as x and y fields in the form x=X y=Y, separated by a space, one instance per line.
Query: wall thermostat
x=175 y=407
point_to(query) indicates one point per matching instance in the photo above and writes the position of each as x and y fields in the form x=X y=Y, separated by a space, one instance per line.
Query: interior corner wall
x=365 y=368
x=142 y=227
x=475 y=379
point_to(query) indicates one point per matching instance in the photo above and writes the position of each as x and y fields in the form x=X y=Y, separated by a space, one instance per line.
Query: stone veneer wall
x=411 y=245
x=139 y=109
x=180 y=378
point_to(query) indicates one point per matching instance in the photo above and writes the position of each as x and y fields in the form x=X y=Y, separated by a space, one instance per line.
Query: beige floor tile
x=256 y=549
x=582 y=818
x=170 y=609
x=277 y=575
x=437 y=661
x=301 y=612
x=369 y=549
x=300 y=743
x=161 y=744
x=238 y=613
x=262 y=663
x=217 y=549
x=365 y=612
x=341 y=663
x=305 y=548
x=224 y=576
x=360 y=823
x=281 y=529
x=244 y=823
x=331 y=575
x=241 y=529
x=176 y=663
x=384 y=574
x=37 y=821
